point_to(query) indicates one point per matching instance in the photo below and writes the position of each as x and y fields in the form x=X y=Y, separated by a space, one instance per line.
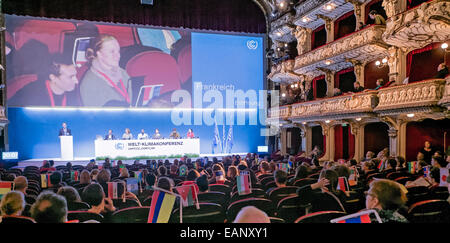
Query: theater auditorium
x=224 y=111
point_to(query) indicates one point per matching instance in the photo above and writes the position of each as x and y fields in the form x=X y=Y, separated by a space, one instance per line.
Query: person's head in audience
x=94 y=174
x=69 y=166
x=13 y=203
x=421 y=165
x=173 y=169
x=124 y=173
x=370 y=155
x=202 y=183
x=280 y=178
x=162 y=170
x=385 y=195
x=380 y=82
x=328 y=165
x=272 y=166
x=70 y=193
x=438 y=162
x=356 y=85
x=301 y=172
x=435 y=175
x=332 y=178
x=150 y=179
x=438 y=153
x=351 y=162
x=104 y=176
x=85 y=177
x=21 y=184
x=165 y=183
x=192 y=175
x=51 y=162
x=420 y=156
x=391 y=164
x=341 y=170
x=56 y=178
x=264 y=167
x=369 y=166
x=49 y=208
x=251 y=214
x=401 y=162
x=232 y=172
x=94 y=195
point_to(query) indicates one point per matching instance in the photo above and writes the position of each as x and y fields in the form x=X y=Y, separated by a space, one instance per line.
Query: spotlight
x=329 y=7
x=283 y=95
x=285 y=44
x=358 y=119
x=292 y=85
x=296 y=85
x=282 y=4
x=279 y=34
x=377 y=63
x=410 y=115
x=327 y=62
x=384 y=60
x=304 y=20
x=304 y=123
x=444 y=45
x=327 y=121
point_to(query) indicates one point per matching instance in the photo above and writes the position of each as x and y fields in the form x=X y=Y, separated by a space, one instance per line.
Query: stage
x=85 y=160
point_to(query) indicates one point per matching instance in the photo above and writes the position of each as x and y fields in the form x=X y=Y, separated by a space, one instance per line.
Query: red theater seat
x=207 y=213
x=131 y=215
x=291 y=208
x=156 y=68
x=430 y=211
x=50 y=33
x=320 y=217
x=19 y=82
x=260 y=203
x=185 y=63
x=84 y=216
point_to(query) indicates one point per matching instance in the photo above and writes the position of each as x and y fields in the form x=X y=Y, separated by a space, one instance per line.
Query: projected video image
x=74 y=63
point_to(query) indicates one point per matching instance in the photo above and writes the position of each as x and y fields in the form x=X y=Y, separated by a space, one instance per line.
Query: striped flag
x=188 y=195
x=243 y=182
x=45 y=181
x=444 y=175
x=380 y=166
x=74 y=175
x=343 y=184
x=284 y=167
x=132 y=185
x=412 y=167
x=220 y=177
x=161 y=207
x=229 y=142
x=121 y=167
x=138 y=175
x=113 y=190
x=5 y=187
x=365 y=218
x=216 y=142
x=426 y=171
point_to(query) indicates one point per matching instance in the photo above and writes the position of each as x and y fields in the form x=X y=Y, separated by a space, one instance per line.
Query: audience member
x=12 y=204
x=49 y=208
x=251 y=214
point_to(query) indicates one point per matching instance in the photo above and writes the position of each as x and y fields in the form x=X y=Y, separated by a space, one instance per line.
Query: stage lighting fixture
x=147 y=2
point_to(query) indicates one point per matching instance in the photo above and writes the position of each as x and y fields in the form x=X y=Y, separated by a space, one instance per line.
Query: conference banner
x=146 y=149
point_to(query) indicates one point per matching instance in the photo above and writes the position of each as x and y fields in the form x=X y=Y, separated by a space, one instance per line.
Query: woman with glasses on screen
x=105 y=83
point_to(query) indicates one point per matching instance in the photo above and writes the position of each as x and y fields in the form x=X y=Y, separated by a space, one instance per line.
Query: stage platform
x=85 y=160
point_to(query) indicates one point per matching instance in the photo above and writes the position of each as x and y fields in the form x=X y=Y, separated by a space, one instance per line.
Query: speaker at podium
x=66 y=147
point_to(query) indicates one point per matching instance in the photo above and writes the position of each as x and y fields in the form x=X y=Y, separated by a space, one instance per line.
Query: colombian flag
x=358 y=220
x=243 y=184
x=5 y=187
x=161 y=207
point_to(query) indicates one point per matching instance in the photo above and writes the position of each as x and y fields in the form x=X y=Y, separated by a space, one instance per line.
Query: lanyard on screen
x=122 y=91
x=50 y=94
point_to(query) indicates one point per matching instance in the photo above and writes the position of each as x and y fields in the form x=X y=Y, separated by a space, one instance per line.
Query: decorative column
x=303 y=36
x=329 y=78
x=328 y=132
x=393 y=7
x=358 y=11
x=358 y=69
x=283 y=141
x=357 y=129
x=329 y=27
x=402 y=139
x=306 y=135
x=393 y=141
x=397 y=64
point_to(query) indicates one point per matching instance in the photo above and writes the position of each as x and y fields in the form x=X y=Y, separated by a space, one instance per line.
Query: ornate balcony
x=283 y=73
x=419 y=26
x=282 y=112
x=364 y=45
x=340 y=107
x=445 y=101
x=421 y=96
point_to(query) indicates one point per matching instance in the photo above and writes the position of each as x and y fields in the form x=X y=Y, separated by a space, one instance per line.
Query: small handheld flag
x=343 y=184
x=74 y=175
x=243 y=182
x=183 y=170
x=284 y=167
x=426 y=171
x=380 y=166
x=115 y=191
x=45 y=181
x=188 y=194
x=161 y=207
x=220 y=178
x=443 y=177
x=412 y=167
x=132 y=185
x=5 y=187
x=359 y=217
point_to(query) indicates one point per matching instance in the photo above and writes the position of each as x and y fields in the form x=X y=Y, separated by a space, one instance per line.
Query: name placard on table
x=146 y=149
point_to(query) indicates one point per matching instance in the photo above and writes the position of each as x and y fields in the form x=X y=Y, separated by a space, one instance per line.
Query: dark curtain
x=351 y=143
x=318 y=37
x=318 y=139
x=422 y=63
x=344 y=25
x=315 y=86
x=372 y=73
x=374 y=5
x=376 y=137
x=230 y=15
x=428 y=130
x=338 y=143
x=343 y=79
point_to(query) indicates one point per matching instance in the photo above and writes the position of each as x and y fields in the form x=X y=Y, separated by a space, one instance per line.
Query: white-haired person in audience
x=251 y=214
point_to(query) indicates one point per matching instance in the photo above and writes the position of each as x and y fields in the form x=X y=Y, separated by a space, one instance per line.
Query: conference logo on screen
x=252 y=44
x=120 y=146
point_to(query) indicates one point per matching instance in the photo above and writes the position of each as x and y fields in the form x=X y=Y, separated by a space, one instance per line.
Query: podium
x=66 y=147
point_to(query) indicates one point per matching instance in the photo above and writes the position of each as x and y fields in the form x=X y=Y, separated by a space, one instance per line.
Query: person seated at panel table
x=190 y=134
x=142 y=135
x=65 y=131
x=55 y=87
x=157 y=135
x=127 y=135
x=174 y=134
x=110 y=135
x=357 y=87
